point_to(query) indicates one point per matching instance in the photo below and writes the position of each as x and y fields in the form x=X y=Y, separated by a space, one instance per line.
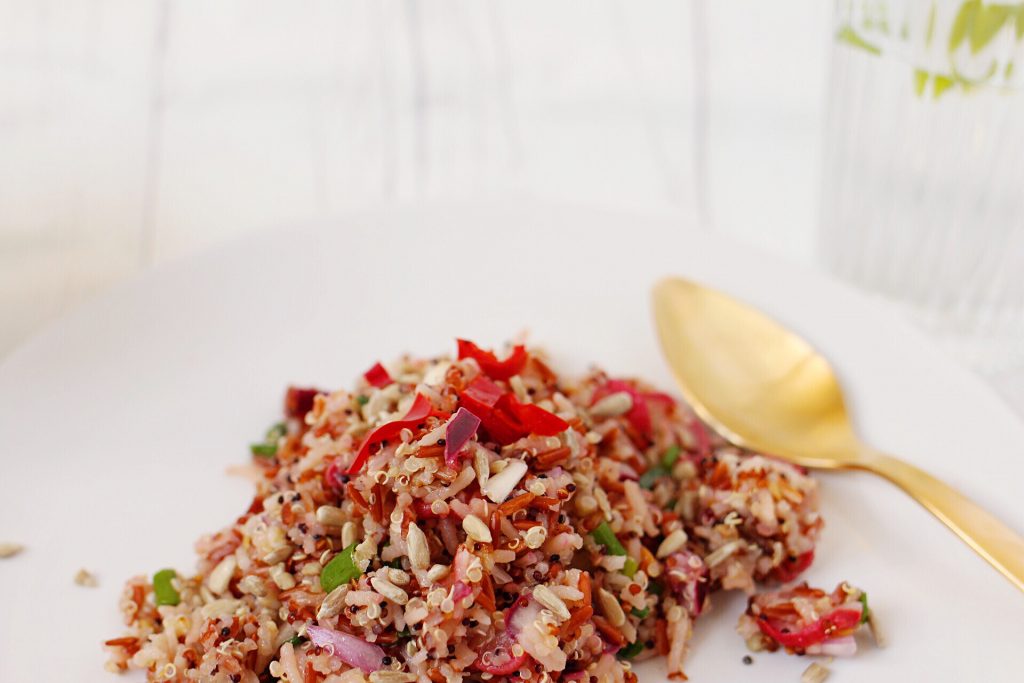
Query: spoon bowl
x=765 y=388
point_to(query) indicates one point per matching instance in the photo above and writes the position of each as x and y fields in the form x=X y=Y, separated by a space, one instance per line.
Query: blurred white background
x=133 y=131
x=137 y=131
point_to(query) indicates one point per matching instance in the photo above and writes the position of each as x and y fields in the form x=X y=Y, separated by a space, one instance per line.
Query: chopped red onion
x=460 y=590
x=460 y=429
x=846 y=646
x=348 y=648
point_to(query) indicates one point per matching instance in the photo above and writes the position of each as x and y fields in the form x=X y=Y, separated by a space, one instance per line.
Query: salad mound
x=482 y=518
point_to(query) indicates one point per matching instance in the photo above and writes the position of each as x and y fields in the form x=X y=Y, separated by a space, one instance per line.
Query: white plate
x=119 y=421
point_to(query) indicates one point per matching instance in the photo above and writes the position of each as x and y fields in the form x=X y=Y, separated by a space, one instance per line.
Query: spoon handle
x=1000 y=545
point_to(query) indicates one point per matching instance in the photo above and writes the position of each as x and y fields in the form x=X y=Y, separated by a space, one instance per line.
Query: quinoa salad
x=482 y=518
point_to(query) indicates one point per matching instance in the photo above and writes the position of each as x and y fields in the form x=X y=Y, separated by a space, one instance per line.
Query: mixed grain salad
x=483 y=519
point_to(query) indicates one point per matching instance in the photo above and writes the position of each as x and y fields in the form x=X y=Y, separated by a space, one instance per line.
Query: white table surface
x=133 y=132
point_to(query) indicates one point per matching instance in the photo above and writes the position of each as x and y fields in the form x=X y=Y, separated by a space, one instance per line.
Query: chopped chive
x=662 y=469
x=340 y=570
x=277 y=431
x=631 y=650
x=362 y=400
x=670 y=457
x=297 y=640
x=395 y=563
x=163 y=590
x=640 y=613
x=604 y=535
x=865 y=613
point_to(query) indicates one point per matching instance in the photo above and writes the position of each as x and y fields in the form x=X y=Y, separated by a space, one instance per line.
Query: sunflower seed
x=476 y=529
x=221 y=575
x=389 y=590
x=673 y=542
x=554 y=603
x=419 y=552
x=611 y=607
x=613 y=405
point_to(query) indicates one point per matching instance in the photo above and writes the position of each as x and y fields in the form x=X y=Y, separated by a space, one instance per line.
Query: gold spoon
x=763 y=387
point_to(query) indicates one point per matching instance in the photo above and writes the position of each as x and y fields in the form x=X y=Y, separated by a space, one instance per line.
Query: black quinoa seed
x=386 y=661
x=225 y=632
x=748 y=660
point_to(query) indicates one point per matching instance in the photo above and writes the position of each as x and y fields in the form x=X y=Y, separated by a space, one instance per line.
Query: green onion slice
x=865 y=613
x=640 y=613
x=163 y=589
x=670 y=457
x=631 y=650
x=340 y=570
x=604 y=536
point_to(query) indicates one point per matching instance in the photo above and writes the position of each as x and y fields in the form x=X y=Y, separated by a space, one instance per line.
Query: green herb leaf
x=987 y=23
x=930 y=31
x=941 y=85
x=865 y=613
x=631 y=650
x=163 y=590
x=655 y=588
x=297 y=640
x=963 y=23
x=362 y=400
x=340 y=570
x=640 y=613
x=920 y=81
x=277 y=431
x=848 y=35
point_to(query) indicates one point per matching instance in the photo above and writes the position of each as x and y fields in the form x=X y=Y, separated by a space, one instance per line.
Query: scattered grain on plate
x=10 y=549
x=85 y=578
x=876 y=633
x=815 y=673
